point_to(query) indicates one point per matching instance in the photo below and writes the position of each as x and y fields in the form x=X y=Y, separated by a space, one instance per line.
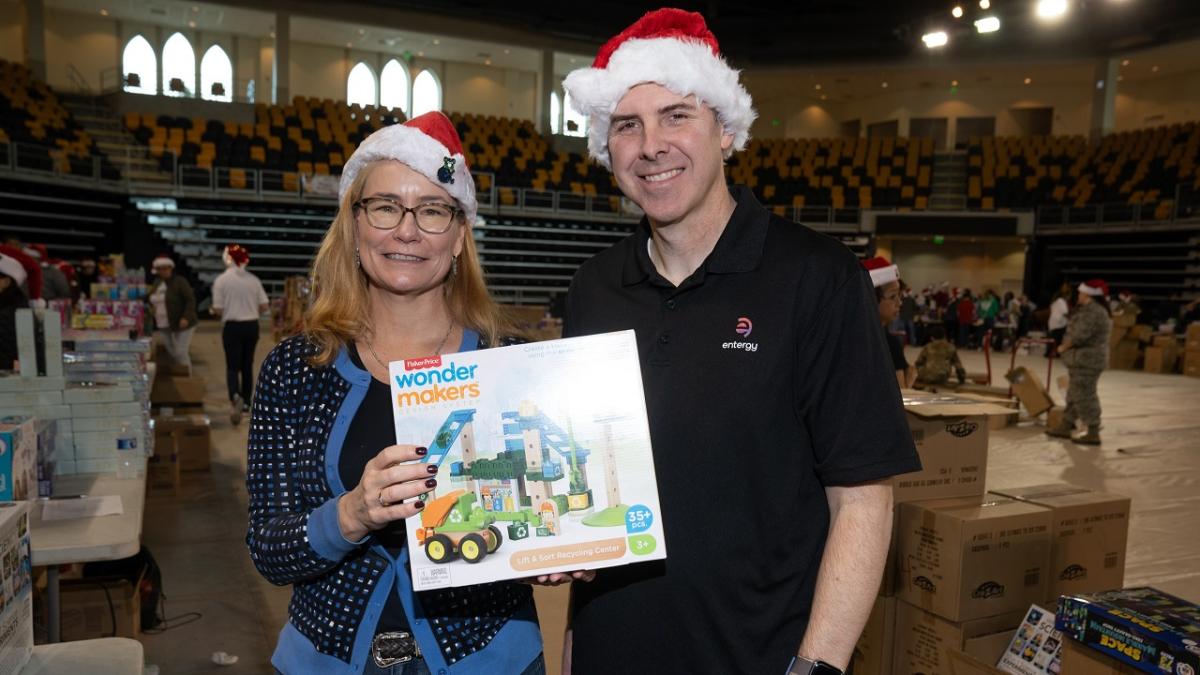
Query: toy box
x=1036 y=648
x=544 y=456
x=1141 y=627
x=925 y=640
x=16 y=587
x=18 y=458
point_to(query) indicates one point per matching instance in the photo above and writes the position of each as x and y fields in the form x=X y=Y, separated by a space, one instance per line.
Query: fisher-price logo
x=429 y=382
x=743 y=327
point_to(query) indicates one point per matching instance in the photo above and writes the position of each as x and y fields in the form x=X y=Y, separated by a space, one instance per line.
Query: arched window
x=179 y=67
x=139 y=67
x=570 y=116
x=393 y=86
x=216 y=75
x=360 y=86
x=427 y=93
x=555 y=113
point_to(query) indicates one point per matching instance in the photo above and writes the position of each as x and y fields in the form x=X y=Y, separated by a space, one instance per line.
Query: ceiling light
x=1099 y=84
x=507 y=51
x=817 y=87
x=985 y=4
x=884 y=85
x=421 y=54
x=823 y=97
x=935 y=39
x=349 y=44
x=103 y=12
x=1154 y=69
x=272 y=34
x=487 y=62
x=1120 y=78
x=957 y=12
x=1050 y=10
x=1029 y=80
x=988 y=24
x=437 y=42
x=195 y=9
x=191 y=24
x=1125 y=62
x=362 y=31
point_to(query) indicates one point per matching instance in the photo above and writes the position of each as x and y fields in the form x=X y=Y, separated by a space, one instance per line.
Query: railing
x=1185 y=206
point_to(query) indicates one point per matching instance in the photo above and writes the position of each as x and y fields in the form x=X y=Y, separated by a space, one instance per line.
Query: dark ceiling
x=810 y=32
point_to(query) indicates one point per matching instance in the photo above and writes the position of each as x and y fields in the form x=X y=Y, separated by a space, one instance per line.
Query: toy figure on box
x=1084 y=351
x=773 y=409
x=397 y=276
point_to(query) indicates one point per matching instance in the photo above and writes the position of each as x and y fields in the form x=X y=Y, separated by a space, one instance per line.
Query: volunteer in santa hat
x=239 y=299
x=174 y=304
x=20 y=287
x=55 y=285
x=885 y=277
x=397 y=277
x=760 y=343
x=1084 y=351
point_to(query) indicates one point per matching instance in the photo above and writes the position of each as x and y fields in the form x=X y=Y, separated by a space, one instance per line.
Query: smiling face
x=405 y=260
x=889 y=301
x=667 y=153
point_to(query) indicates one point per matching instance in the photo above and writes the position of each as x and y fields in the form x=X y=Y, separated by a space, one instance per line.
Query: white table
x=106 y=656
x=60 y=542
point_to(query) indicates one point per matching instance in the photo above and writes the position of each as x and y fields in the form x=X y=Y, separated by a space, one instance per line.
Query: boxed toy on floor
x=539 y=473
x=18 y=458
x=925 y=641
x=1141 y=627
x=1036 y=648
x=16 y=587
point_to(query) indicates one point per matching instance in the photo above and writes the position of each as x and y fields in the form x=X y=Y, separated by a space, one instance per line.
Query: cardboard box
x=1142 y=332
x=1191 y=339
x=162 y=469
x=1077 y=658
x=1140 y=627
x=923 y=639
x=1090 y=534
x=1054 y=417
x=16 y=587
x=876 y=646
x=1166 y=341
x=961 y=663
x=18 y=458
x=1159 y=360
x=1125 y=354
x=89 y=608
x=996 y=422
x=972 y=557
x=1036 y=646
x=1124 y=320
x=1191 y=363
x=192 y=439
x=951 y=435
x=178 y=391
x=1029 y=391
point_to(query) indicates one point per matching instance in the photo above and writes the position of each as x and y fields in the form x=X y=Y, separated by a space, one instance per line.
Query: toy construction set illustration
x=543 y=456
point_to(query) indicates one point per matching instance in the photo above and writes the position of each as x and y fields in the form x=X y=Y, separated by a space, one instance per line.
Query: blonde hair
x=339 y=310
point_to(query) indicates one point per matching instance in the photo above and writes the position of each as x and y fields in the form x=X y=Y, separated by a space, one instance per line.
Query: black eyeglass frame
x=365 y=203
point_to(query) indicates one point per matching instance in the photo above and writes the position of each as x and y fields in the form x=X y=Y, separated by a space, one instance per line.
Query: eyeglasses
x=384 y=213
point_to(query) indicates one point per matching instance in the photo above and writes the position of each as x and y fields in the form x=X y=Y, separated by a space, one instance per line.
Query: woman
x=239 y=299
x=16 y=270
x=396 y=277
x=1057 y=323
x=886 y=279
x=1085 y=353
x=174 y=306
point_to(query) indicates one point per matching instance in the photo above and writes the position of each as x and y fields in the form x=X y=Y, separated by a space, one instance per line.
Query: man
x=239 y=299
x=938 y=359
x=773 y=413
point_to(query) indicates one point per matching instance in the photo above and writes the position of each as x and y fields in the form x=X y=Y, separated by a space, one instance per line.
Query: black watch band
x=803 y=666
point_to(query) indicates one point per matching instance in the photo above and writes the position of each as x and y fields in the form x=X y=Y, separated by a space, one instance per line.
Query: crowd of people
x=966 y=317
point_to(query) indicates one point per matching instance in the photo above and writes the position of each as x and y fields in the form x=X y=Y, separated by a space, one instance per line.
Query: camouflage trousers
x=1082 y=400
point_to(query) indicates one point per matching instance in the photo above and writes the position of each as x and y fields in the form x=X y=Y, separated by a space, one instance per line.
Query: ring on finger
x=381 y=502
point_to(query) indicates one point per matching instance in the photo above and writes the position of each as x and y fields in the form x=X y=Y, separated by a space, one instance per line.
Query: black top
x=896 y=349
x=766 y=380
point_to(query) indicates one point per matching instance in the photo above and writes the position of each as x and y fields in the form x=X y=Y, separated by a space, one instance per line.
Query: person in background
x=950 y=316
x=397 y=276
x=886 y=279
x=908 y=313
x=1084 y=351
x=964 y=311
x=55 y=285
x=1060 y=307
x=174 y=306
x=987 y=310
x=20 y=282
x=1125 y=304
x=706 y=265
x=938 y=359
x=239 y=300
x=86 y=275
x=1189 y=313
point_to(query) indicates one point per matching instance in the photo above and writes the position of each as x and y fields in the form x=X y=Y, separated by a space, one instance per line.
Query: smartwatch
x=803 y=666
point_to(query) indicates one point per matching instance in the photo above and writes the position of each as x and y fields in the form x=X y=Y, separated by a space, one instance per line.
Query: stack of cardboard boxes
x=1191 y=351
x=16 y=587
x=965 y=565
x=182 y=437
x=1137 y=346
x=1133 y=630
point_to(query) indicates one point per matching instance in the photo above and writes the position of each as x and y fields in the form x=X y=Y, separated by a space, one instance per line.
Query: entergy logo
x=743 y=327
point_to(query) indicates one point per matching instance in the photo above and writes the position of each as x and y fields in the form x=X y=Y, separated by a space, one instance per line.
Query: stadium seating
x=47 y=138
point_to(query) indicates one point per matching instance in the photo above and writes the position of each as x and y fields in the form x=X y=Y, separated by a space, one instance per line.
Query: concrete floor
x=1151 y=452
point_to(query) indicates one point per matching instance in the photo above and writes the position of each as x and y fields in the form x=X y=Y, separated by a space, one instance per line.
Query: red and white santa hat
x=1094 y=287
x=882 y=271
x=668 y=47
x=163 y=260
x=23 y=269
x=236 y=255
x=427 y=143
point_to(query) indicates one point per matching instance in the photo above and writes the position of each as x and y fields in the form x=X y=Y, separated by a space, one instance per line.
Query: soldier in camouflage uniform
x=1085 y=353
x=938 y=359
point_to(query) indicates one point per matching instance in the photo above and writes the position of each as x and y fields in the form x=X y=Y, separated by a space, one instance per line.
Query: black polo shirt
x=767 y=378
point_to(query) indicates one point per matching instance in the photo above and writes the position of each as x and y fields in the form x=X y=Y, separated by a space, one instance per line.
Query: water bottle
x=129 y=461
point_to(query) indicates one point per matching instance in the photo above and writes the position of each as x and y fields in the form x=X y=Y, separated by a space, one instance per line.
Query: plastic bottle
x=129 y=460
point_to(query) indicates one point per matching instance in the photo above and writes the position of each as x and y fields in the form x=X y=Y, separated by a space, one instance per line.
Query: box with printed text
x=544 y=460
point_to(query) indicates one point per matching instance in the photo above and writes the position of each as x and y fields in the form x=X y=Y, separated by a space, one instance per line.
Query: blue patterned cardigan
x=339 y=587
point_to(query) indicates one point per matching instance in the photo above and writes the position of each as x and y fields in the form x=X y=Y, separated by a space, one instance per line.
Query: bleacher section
x=41 y=133
x=854 y=172
x=1157 y=266
x=71 y=222
x=1134 y=168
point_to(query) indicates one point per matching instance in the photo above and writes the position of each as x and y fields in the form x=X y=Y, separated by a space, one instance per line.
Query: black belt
x=388 y=649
